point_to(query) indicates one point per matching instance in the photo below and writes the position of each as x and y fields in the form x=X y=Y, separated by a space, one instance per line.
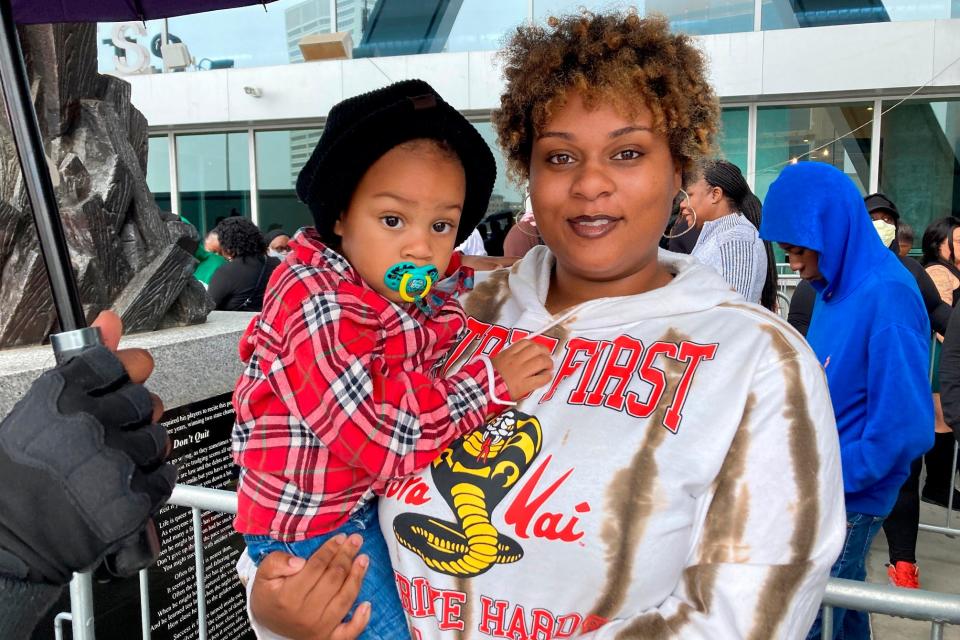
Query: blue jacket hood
x=869 y=330
x=814 y=205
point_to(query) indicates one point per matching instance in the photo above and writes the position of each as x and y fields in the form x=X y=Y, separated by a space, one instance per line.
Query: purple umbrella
x=34 y=11
x=26 y=133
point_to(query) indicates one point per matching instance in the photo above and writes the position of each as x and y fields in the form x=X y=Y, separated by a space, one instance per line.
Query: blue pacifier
x=412 y=282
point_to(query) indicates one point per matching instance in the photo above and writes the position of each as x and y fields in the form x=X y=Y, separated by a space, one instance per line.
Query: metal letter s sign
x=140 y=61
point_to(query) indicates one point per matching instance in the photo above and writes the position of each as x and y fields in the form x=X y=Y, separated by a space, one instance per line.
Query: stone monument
x=127 y=254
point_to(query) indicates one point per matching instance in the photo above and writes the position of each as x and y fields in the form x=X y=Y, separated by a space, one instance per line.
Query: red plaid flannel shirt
x=341 y=394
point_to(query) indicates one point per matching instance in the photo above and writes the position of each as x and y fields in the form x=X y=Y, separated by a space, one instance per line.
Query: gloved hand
x=81 y=471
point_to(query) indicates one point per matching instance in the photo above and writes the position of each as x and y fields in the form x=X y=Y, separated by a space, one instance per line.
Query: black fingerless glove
x=81 y=472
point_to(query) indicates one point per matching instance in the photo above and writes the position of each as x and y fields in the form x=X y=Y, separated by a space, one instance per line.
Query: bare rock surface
x=127 y=254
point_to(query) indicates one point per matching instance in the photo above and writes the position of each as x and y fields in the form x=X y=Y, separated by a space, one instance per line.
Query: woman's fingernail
x=363 y=561
x=356 y=540
x=364 y=608
x=296 y=563
x=339 y=538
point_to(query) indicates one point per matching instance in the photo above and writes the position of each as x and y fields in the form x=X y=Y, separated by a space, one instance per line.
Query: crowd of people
x=606 y=438
x=236 y=260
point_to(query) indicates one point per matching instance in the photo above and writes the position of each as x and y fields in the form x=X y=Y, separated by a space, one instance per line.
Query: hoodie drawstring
x=488 y=364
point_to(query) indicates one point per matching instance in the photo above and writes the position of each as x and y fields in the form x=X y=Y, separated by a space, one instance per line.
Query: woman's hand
x=308 y=599
x=486 y=263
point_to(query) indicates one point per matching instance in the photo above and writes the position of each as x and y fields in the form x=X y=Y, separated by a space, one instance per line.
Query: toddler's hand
x=524 y=366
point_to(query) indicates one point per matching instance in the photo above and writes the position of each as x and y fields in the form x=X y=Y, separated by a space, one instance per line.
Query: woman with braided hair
x=720 y=203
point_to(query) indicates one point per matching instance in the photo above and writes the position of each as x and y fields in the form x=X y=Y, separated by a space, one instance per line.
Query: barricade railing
x=939 y=609
x=198 y=499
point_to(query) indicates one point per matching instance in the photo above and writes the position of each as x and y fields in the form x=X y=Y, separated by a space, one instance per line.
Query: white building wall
x=857 y=60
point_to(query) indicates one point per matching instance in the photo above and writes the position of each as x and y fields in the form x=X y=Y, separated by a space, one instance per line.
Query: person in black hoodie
x=900 y=527
x=950 y=377
x=239 y=285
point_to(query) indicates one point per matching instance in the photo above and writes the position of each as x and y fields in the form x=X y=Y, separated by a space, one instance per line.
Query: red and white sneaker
x=903 y=574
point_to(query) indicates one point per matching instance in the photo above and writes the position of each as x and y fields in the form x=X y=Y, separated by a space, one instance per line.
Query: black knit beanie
x=880 y=202
x=360 y=130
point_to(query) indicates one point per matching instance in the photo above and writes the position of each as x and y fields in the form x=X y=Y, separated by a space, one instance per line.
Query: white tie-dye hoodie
x=680 y=476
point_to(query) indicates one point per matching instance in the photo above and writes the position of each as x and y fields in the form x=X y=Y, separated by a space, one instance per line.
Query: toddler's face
x=406 y=207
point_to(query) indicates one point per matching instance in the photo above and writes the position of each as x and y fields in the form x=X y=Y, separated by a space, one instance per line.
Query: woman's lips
x=592 y=227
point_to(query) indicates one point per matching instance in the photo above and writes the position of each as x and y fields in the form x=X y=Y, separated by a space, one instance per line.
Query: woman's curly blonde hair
x=616 y=57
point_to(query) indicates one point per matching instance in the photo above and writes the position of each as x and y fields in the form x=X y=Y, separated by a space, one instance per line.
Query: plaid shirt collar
x=309 y=249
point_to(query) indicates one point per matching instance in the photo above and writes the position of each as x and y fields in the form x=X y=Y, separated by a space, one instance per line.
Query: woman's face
x=602 y=186
x=703 y=199
x=945 y=247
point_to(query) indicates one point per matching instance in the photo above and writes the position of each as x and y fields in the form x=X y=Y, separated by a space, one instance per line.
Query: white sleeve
x=772 y=525
x=473 y=245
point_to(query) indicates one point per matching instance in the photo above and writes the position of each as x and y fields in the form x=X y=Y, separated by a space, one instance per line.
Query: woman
x=239 y=284
x=720 y=203
x=941 y=256
x=941 y=259
x=680 y=475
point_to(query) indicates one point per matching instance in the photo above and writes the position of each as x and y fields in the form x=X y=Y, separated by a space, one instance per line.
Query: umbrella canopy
x=44 y=11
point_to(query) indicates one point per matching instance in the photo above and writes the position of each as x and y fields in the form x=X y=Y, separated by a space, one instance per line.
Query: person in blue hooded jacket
x=870 y=332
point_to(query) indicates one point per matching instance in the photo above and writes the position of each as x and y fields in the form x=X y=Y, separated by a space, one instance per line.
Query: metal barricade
x=787 y=282
x=81 y=594
x=938 y=608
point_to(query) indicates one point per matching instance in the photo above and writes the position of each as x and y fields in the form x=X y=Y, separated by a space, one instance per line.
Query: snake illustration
x=473 y=475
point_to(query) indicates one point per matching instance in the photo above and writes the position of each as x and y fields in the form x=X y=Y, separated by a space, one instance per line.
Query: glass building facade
x=280 y=154
x=920 y=159
x=911 y=151
x=213 y=177
x=835 y=134
x=253 y=173
x=268 y=35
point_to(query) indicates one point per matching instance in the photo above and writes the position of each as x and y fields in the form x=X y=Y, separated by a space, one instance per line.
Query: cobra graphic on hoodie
x=679 y=477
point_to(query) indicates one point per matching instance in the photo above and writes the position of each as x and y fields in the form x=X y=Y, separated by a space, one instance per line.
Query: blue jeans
x=847 y=624
x=387 y=620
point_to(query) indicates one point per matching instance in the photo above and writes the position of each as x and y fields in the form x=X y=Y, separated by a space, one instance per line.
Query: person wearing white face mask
x=886 y=220
x=278 y=242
